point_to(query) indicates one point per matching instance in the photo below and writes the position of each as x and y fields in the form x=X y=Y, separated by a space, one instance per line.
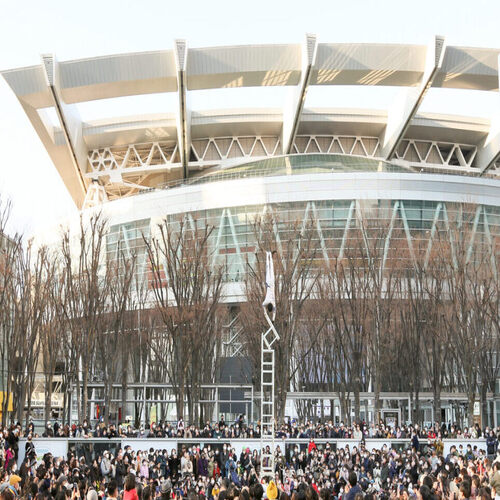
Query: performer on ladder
x=269 y=337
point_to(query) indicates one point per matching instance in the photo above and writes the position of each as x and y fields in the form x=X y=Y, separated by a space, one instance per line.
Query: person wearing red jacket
x=312 y=446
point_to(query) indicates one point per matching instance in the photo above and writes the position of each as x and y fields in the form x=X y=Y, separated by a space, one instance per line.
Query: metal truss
x=209 y=150
x=437 y=153
x=131 y=165
x=96 y=195
x=338 y=144
x=124 y=170
x=495 y=168
x=118 y=160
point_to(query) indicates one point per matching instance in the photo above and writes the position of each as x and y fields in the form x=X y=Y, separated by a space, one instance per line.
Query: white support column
x=350 y=215
x=96 y=195
x=489 y=152
x=477 y=216
x=268 y=209
x=406 y=104
x=320 y=232
x=183 y=115
x=69 y=119
x=433 y=232
x=388 y=237
x=406 y=227
x=294 y=106
x=450 y=236
x=487 y=232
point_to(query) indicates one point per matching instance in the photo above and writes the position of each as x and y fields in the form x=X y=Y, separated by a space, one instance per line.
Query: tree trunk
x=357 y=384
x=376 y=417
x=416 y=408
x=48 y=396
x=65 y=398
x=357 y=404
x=470 y=407
x=281 y=405
x=344 y=410
x=124 y=395
x=107 y=401
x=78 y=399
x=484 y=404
x=437 y=402
x=21 y=401
x=85 y=396
x=180 y=402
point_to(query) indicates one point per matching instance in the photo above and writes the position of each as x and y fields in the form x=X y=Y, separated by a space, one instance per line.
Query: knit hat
x=14 y=479
x=272 y=491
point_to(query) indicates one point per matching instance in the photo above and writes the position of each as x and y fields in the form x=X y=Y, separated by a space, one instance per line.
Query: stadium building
x=229 y=164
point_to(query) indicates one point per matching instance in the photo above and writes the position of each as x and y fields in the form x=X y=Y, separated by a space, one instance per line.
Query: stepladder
x=267 y=416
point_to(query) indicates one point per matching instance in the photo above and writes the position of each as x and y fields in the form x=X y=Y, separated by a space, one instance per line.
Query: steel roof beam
x=256 y=65
x=489 y=152
x=406 y=104
x=183 y=115
x=293 y=109
x=69 y=119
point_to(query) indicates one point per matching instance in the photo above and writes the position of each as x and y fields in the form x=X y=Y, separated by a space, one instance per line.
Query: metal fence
x=90 y=448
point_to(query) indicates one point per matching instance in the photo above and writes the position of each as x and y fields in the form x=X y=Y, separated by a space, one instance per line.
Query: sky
x=76 y=29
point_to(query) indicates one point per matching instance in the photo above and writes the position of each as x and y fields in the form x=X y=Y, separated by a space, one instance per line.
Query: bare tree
x=10 y=247
x=436 y=336
x=187 y=288
x=297 y=271
x=86 y=291
x=489 y=362
x=471 y=288
x=53 y=333
x=119 y=273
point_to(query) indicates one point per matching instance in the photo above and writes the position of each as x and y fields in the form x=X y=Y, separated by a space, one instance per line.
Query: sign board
x=477 y=408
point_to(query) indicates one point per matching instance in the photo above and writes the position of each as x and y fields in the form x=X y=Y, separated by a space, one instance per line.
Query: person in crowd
x=424 y=468
x=130 y=492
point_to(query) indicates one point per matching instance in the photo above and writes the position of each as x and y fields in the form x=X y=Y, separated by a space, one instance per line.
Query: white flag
x=270 y=300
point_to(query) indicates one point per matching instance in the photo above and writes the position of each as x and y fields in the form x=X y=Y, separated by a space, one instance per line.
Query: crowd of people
x=239 y=429
x=305 y=471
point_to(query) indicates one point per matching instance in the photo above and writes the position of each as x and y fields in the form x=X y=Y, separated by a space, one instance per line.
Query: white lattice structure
x=130 y=154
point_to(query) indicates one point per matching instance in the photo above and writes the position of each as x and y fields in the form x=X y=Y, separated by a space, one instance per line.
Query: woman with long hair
x=130 y=492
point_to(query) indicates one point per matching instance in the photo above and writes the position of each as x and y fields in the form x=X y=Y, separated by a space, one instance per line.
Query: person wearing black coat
x=174 y=464
x=491 y=443
x=120 y=472
x=415 y=444
x=13 y=440
x=29 y=449
x=354 y=487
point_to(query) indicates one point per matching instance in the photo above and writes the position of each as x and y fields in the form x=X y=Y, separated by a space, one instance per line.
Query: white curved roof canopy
x=128 y=154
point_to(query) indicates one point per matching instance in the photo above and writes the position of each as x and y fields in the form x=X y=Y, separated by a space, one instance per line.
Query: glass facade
x=128 y=239
x=299 y=164
x=400 y=228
